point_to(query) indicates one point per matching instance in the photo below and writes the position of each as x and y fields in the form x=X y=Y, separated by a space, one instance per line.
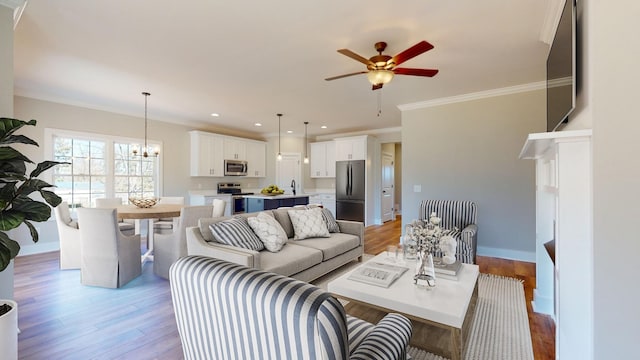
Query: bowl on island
x=143 y=203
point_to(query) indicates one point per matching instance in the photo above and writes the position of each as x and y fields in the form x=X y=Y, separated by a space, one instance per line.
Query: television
x=561 y=70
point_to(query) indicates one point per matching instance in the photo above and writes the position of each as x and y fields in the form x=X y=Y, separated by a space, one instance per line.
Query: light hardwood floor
x=61 y=319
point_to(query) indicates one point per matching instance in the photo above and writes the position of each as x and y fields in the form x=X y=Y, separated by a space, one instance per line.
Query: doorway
x=288 y=172
x=388 y=192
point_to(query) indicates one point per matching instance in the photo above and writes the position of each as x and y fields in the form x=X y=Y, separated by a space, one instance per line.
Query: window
x=100 y=167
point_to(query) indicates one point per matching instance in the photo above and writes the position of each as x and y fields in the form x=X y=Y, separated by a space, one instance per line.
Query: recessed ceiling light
x=323 y=127
x=215 y=114
x=289 y=131
x=257 y=124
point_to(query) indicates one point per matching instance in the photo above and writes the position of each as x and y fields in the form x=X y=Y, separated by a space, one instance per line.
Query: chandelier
x=145 y=150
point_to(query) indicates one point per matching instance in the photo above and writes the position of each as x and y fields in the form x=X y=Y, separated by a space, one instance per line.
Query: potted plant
x=17 y=208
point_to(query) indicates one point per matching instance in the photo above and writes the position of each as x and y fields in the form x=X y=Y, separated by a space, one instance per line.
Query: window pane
x=148 y=168
x=63 y=169
x=120 y=167
x=62 y=147
x=97 y=149
x=98 y=185
x=63 y=185
x=121 y=184
x=98 y=167
x=80 y=166
x=80 y=148
x=121 y=151
x=148 y=185
x=135 y=186
x=134 y=167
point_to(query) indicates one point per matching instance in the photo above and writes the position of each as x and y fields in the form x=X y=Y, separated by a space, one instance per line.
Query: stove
x=235 y=190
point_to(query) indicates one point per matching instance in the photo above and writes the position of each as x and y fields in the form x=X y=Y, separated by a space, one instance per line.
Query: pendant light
x=145 y=149
x=279 y=157
x=306 y=157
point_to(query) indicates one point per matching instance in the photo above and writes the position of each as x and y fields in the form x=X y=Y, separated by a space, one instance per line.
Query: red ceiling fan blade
x=345 y=75
x=411 y=52
x=415 y=72
x=354 y=56
x=376 y=87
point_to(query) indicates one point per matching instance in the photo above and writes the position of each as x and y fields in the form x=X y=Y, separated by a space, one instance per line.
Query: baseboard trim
x=39 y=248
x=528 y=256
x=542 y=304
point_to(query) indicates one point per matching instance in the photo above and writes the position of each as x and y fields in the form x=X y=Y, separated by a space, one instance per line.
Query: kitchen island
x=255 y=203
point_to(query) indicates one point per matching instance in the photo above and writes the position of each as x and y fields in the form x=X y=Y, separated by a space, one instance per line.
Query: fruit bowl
x=272 y=193
x=143 y=203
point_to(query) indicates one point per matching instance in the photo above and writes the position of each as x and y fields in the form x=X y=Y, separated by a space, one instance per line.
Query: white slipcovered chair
x=109 y=258
x=127 y=227
x=69 y=236
x=167 y=248
x=166 y=225
x=219 y=206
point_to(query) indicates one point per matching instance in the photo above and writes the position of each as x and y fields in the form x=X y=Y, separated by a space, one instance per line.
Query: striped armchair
x=460 y=214
x=229 y=311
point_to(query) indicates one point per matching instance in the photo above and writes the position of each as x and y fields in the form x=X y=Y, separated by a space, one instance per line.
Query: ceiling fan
x=382 y=68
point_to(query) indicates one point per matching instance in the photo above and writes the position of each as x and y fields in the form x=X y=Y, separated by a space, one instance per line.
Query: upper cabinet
x=209 y=151
x=256 y=158
x=351 y=148
x=323 y=159
x=206 y=154
x=235 y=149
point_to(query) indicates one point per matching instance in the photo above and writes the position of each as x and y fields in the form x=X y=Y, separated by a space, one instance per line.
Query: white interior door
x=288 y=171
x=387 y=187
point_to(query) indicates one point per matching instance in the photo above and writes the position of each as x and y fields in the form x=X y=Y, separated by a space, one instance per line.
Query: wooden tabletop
x=156 y=211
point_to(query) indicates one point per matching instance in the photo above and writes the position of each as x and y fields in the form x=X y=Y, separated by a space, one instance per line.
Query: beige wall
x=612 y=47
x=469 y=151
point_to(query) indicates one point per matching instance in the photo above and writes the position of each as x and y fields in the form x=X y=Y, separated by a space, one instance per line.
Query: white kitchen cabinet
x=323 y=160
x=351 y=148
x=256 y=159
x=234 y=149
x=206 y=154
x=328 y=201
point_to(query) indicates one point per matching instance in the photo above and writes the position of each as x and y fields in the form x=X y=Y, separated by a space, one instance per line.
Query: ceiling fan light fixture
x=379 y=76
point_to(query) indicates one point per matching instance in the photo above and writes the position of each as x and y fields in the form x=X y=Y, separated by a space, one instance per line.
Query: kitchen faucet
x=293 y=186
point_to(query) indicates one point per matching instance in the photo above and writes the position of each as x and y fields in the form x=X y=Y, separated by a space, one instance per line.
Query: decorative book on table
x=377 y=273
x=447 y=271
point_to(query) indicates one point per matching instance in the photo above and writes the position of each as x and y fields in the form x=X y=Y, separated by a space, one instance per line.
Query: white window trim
x=50 y=133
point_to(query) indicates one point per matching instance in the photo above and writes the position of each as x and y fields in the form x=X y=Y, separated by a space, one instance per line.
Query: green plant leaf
x=8 y=250
x=51 y=198
x=10 y=219
x=17 y=139
x=33 y=231
x=15 y=169
x=8 y=153
x=44 y=166
x=32 y=185
x=32 y=210
x=8 y=126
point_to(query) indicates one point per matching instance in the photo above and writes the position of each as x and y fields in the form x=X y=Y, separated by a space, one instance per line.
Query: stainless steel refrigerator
x=350 y=191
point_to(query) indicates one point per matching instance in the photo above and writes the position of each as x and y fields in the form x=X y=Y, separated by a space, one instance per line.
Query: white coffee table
x=447 y=309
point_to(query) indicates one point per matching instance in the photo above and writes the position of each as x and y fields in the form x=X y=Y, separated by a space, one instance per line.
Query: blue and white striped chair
x=459 y=214
x=229 y=311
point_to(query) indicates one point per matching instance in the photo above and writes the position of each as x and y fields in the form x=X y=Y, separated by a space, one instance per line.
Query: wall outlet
x=417 y=188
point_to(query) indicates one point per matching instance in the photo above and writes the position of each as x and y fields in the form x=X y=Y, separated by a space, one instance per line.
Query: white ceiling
x=249 y=60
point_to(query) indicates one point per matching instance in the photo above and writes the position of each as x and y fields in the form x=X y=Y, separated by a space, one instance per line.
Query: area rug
x=500 y=328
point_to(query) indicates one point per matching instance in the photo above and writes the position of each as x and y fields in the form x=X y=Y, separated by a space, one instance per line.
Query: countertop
x=275 y=197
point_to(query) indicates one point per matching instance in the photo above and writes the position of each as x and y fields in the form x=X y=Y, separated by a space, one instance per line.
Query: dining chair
x=219 y=206
x=109 y=258
x=166 y=225
x=127 y=227
x=167 y=248
x=69 y=237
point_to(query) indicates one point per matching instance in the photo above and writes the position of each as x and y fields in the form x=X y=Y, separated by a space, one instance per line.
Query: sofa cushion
x=282 y=215
x=292 y=259
x=336 y=244
x=332 y=224
x=268 y=230
x=236 y=232
x=308 y=224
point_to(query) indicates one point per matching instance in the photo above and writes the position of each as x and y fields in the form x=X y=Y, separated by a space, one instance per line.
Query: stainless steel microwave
x=235 y=168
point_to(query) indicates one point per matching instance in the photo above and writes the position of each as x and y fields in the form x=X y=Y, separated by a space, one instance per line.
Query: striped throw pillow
x=236 y=232
x=332 y=224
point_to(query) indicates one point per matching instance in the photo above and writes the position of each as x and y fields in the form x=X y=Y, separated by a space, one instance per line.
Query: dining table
x=149 y=215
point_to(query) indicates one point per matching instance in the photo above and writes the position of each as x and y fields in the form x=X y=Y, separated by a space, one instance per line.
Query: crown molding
x=18 y=8
x=474 y=96
x=372 y=132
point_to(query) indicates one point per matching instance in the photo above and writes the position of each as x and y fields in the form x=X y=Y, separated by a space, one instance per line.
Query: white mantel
x=564 y=199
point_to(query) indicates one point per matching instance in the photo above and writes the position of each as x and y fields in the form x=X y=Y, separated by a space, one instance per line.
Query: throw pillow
x=236 y=232
x=308 y=224
x=269 y=231
x=332 y=224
